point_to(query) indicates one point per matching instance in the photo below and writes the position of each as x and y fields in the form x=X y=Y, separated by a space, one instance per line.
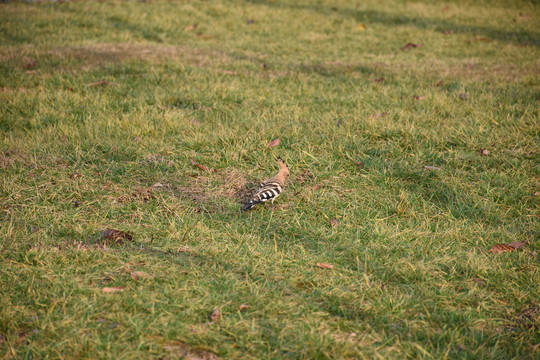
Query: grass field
x=103 y=104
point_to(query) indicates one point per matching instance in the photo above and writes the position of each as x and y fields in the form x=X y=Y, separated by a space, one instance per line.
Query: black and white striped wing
x=267 y=191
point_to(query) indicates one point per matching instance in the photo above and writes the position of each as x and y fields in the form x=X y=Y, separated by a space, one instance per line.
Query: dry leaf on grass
x=244 y=307
x=202 y=167
x=483 y=152
x=113 y=289
x=378 y=115
x=479 y=282
x=101 y=83
x=204 y=36
x=216 y=315
x=361 y=27
x=138 y=275
x=431 y=168
x=325 y=266
x=30 y=63
x=334 y=222
x=274 y=143
x=191 y=27
x=117 y=235
x=501 y=248
x=409 y=46
x=479 y=38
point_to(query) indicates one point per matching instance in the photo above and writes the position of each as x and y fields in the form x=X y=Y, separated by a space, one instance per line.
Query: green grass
x=412 y=274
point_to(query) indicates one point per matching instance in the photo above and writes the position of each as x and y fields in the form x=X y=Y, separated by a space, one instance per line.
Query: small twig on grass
x=185 y=234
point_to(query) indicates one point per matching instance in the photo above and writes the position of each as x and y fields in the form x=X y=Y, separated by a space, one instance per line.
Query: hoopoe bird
x=269 y=189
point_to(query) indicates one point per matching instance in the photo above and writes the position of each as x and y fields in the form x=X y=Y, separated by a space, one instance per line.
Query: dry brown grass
x=99 y=54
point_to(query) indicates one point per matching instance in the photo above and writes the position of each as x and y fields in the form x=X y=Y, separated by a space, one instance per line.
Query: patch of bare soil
x=237 y=186
x=178 y=349
x=9 y=157
x=303 y=177
x=529 y=317
x=99 y=54
x=193 y=193
x=140 y=194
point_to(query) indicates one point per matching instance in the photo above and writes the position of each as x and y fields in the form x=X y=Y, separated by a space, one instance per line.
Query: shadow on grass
x=341 y=69
x=432 y=188
x=425 y=23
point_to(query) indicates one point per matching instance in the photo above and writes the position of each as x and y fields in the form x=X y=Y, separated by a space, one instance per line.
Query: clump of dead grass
x=236 y=185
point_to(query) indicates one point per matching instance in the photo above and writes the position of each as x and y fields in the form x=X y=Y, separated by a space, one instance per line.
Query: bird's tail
x=249 y=205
